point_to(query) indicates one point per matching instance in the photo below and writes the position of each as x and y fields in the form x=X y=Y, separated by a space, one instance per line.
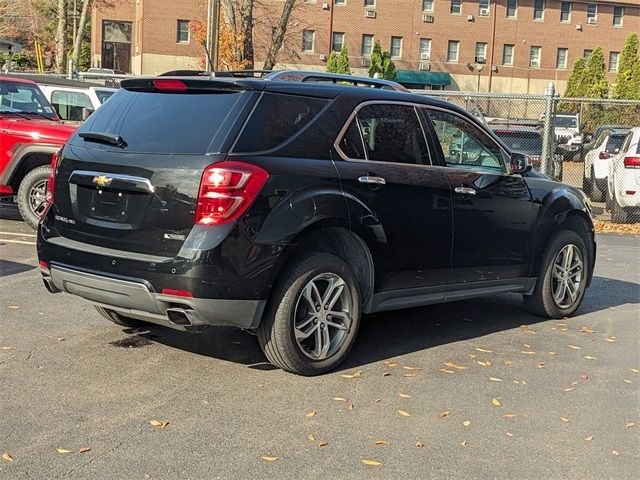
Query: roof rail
x=313 y=76
x=219 y=73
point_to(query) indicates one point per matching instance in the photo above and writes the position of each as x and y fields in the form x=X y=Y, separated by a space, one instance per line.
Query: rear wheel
x=618 y=214
x=562 y=279
x=32 y=195
x=587 y=185
x=119 y=319
x=313 y=317
x=596 y=194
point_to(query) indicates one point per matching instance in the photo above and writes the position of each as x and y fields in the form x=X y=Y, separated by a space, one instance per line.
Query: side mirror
x=519 y=163
x=86 y=112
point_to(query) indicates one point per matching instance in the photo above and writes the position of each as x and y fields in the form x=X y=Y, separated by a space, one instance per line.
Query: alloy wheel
x=38 y=197
x=568 y=271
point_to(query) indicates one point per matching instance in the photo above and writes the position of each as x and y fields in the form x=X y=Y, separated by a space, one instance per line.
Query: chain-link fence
x=588 y=143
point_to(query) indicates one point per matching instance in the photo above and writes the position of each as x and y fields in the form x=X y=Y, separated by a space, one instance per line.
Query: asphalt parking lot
x=474 y=389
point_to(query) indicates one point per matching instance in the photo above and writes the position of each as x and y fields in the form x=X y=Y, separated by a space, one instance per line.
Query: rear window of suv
x=162 y=123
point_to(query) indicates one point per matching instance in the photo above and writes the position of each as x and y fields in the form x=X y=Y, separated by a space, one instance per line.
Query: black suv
x=292 y=208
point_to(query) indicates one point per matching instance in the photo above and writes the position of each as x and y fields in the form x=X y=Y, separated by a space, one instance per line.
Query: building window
x=307 y=40
x=337 y=41
x=456 y=6
x=613 y=61
x=339 y=2
x=183 y=31
x=369 y=3
x=452 y=51
x=592 y=13
x=483 y=8
x=618 y=15
x=534 y=56
x=481 y=52
x=427 y=5
x=507 y=54
x=538 y=10
x=565 y=12
x=561 y=58
x=367 y=45
x=425 y=48
x=396 y=47
x=512 y=8
x=586 y=54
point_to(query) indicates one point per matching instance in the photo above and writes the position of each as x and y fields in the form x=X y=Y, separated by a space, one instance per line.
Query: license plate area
x=108 y=205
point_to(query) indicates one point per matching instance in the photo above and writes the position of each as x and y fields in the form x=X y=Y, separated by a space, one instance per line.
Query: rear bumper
x=136 y=299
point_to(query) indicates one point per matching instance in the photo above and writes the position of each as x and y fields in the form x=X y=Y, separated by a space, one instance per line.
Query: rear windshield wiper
x=109 y=138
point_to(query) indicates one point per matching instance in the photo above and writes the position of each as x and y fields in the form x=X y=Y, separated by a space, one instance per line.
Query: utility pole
x=213 y=32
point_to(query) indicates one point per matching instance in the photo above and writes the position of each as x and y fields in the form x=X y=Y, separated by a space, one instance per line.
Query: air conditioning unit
x=370 y=13
x=366 y=62
x=425 y=56
x=323 y=57
x=592 y=20
x=426 y=18
x=534 y=64
x=425 y=66
x=484 y=12
x=481 y=60
x=470 y=18
x=325 y=6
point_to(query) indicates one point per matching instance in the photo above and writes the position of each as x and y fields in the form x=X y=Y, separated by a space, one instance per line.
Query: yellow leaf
x=528 y=352
x=339 y=399
x=323 y=443
x=413 y=368
x=269 y=459
x=456 y=366
x=381 y=442
x=615 y=453
x=404 y=395
x=373 y=463
x=61 y=339
x=443 y=414
x=390 y=364
x=403 y=413
x=386 y=374
x=446 y=371
x=353 y=375
x=570 y=389
x=377 y=400
x=590 y=358
x=63 y=450
x=351 y=407
x=159 y=423
x=586 y=330
x=494 y=379
x=611 y=339
x=311 y=438
x=509 y=434
x=634 y=370
x=507 y=362
x=464 y=443
x=627 y=381
x=630 y=425
x=541 y=365
x=312 y=413
x=584 y=377
x=409 y=375
x=589 y=438
x=574 y=347
x=483 y=350
x=564 y=420
x=7 y=347
x=496 y=402
x=85 y=449
x=509 y=415
x=6 y=457
x=466 y=423
x=419 y=445
x=14 y=307
x=526 y=345
x=553 y=353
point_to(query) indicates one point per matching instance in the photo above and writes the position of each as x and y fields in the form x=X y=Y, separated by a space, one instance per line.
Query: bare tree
x=277 y=36
x=79 y=34
x=61 y=38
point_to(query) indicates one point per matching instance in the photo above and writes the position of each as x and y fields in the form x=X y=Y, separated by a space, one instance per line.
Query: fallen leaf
x=351 y=407
x=409 y=375
x=509 y=434
x=456 y=366
x=443 y=414
x=496 y=402
x=564 y=420
x=404 y=395
x=483 y=350
x=311 y=438
x=373 y=463
x=553 y=353
x=322 y=443
x=464 y=443
x=61 y=339
x=528 y=352
x=403 y=413
x=269 y=459
x=509 y=415
x=353 y=375
x=541 y=365
x=627 y=381
x=634 y=370
x=85 y=449
x=377 y=400
x=7 y=347
x=390 y=364
x=574 y=383
x=63 y=450
x=589 y=438
x=630 y=425
x=419 y=445
x=507 y=362
x=586 y=330
x=6 y=457
x=574 y=347
x=381 y=442
x=494 y=379
x=413 y=368
x=611 y=339
x=311 y=413
x=466 y=423
x=570 y=389
x=584 y=377
x=386 y=374
x=446 y=371
x=615 y=453
x=159 y=423
x=562 y=324
x=526 y=345
x=14 y=307
x=517 y=382
x=339 y=399
x=590 y=358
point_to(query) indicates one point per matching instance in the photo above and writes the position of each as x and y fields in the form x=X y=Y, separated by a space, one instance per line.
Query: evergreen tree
x=594 y=78
x=388 y=67
x=376 y=59
x=573 y=83
x=628 y=78
x=332 y=63
x=343 y=61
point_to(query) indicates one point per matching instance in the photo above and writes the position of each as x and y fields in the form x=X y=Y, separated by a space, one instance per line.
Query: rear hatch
x=129 y=178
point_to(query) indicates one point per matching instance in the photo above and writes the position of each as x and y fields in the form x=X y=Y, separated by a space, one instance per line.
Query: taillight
x=227 y=189
x=169 y=85
x=605 y=155
x=55 y=160
x=177 y=293
x=535 y=159
x=632 y=162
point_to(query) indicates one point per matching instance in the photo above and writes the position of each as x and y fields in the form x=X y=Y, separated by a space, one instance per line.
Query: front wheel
x=313 y=317
x=563 y=277
x=32 y=195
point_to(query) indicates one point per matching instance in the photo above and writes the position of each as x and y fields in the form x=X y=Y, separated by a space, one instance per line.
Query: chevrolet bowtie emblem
x=102 y=181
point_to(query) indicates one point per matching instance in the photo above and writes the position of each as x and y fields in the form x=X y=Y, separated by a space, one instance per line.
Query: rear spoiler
x=189 y=84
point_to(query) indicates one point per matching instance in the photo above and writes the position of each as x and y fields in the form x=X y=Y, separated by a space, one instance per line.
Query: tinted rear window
x=614 y=142
x=529 y=141
x=162 y=122
x=276 y=119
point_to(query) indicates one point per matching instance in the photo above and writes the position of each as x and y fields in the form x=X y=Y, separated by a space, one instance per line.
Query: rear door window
x=71 y=105
x=614 y=143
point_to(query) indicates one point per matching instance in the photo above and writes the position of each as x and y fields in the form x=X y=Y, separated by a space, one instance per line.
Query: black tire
x=542 y=301
x=30 y=190
x=587 y=186
x=276 y=333
x=618 y=214
x=119 y=319
x=596 y=195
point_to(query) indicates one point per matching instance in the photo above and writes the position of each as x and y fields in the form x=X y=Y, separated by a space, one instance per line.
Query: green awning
x=423 y=77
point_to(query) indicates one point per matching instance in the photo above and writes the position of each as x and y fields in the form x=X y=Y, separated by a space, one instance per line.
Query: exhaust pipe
x=179 y=316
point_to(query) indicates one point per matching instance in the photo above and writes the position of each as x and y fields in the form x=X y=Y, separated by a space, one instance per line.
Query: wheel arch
x=25 y=159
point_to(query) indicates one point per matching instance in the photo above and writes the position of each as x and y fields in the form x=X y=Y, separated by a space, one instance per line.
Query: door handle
x=372 y=180
x=465 y=190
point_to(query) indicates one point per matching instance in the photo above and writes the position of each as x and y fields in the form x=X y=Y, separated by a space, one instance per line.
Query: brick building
x=490 y=45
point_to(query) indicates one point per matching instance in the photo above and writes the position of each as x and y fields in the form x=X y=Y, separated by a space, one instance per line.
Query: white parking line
x=19 y=234
x=4 y=240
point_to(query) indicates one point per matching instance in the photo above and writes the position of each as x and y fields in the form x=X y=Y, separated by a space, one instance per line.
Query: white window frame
x=532 y=57
x=568 y=20
x=304 y=41
x=179 y=22
x=333 y=41
x=566 y=57
x=425 y=8
x=504 y=51
x=593 y=14
x=617 y=62
x=484 y=5
x=457 y=44
x=484 y=46
x=459 y=4
x=618 y=25
x=391 y=47
x=543 y=7
x=426 y=41
x=362 y=52
x=515 y=9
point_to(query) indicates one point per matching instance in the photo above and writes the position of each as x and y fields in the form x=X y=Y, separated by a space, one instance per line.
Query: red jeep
x=30 y=132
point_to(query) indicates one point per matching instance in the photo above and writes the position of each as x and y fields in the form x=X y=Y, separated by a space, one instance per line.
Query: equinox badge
x=102 y=181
